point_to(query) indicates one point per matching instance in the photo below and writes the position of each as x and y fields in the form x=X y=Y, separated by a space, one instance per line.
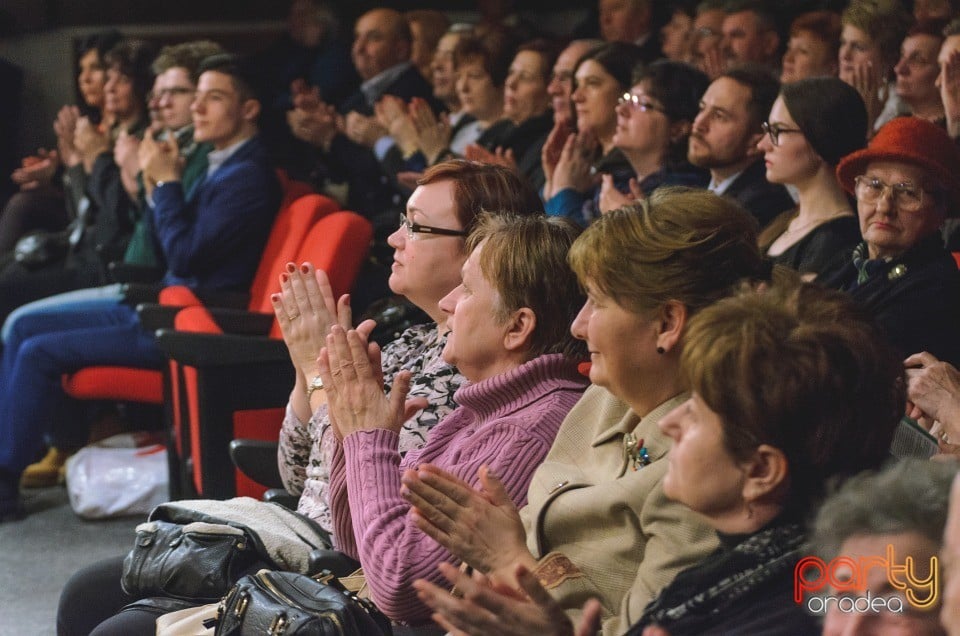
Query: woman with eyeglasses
x=812 y=125
x=653 y=124
x=429 y=250
x=906 y=186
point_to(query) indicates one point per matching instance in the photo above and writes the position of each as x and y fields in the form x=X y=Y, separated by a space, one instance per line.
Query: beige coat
x=599 y=527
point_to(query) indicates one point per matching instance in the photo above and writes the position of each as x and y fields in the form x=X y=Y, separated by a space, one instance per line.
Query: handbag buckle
x=278 y=625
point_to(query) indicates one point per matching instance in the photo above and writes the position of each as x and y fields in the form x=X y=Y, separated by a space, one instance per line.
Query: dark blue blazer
x=213 y=236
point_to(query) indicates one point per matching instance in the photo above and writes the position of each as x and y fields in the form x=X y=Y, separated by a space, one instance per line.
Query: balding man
x=750 y=34
x=561 y=81
x=630 y=21
x=381 y=55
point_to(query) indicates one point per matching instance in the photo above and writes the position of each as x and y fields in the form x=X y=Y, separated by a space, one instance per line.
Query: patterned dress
x=305 y=448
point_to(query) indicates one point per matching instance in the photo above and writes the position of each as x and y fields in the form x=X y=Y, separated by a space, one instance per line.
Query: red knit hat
x=911 y=140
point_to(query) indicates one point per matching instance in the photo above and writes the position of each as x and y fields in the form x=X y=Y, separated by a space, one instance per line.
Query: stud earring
x=661 y=350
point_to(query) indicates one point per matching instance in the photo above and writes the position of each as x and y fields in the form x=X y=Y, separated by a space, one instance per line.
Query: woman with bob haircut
x=753 y=449
x=598 y=522
x=508 y=335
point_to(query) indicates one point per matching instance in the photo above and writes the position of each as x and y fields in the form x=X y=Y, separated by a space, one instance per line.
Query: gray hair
x=909 y=496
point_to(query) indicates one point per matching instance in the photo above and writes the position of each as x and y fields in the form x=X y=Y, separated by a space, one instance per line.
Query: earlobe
x=673 y=320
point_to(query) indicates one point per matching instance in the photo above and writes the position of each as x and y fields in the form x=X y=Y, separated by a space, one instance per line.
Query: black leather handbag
x=196 y=562
x=271 y=602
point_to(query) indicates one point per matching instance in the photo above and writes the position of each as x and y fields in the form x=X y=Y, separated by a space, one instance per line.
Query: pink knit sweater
x=507 y=422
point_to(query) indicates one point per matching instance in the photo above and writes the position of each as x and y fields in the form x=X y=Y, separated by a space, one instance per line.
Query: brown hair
x=187 y=55
x=525 y=259
x=800 y=368
x=885 y=21
x=494 y=48
x=681 y=244
x=482 y=186
x=824 y=25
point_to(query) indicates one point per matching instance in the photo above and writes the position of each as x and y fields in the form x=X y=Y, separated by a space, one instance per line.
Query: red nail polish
x=284 y=277
x=275 y=298
x=291 y=267
x=304 y=268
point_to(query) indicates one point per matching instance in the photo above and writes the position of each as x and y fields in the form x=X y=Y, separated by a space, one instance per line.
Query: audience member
x=707 y=37
x=598 y=522
x=900 y=514
x=211 y=239
x=346 y=138
x=40 y=204
x=517 y=139
x=750 y=34
x=509 y=336
x=653 y=125
x=560 y=87
x=630 y=22
x=677 y=35
x=917 y=71
x=724 y=140
x=813 y=48
x=570 y=160
x=905 y=183
x=426 y=26
x=869 y=48
x=99 y=233
x=812 y=125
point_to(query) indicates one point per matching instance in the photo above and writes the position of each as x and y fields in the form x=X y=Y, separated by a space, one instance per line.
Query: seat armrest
x=257 y=460
x=334 y=560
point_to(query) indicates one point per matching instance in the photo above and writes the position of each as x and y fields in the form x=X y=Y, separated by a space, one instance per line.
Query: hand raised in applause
x=483 y=607
x=480 y=527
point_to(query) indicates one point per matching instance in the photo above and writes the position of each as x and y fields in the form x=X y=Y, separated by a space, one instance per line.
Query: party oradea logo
x=843 y=582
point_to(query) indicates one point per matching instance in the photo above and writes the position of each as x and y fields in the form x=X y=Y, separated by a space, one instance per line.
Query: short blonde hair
x=525 y=259
x=885 y=21
x=681 y=244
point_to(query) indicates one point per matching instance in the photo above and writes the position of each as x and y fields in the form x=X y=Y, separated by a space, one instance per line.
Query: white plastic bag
x=107 y=479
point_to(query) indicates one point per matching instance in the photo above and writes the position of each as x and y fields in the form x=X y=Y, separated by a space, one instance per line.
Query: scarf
x=726 y=579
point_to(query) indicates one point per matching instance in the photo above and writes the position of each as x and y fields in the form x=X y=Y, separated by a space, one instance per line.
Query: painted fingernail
x=284 y=277
x=304 y=268
x=275 y=298
x=291 y=267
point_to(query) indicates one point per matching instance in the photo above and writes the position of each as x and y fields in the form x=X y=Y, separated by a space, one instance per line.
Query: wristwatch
x=315 y=384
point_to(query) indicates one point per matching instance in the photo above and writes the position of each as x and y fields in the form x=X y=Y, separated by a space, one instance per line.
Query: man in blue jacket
x=212 y=237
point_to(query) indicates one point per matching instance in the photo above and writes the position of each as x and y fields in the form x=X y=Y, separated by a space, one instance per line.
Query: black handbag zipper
x=267 y=583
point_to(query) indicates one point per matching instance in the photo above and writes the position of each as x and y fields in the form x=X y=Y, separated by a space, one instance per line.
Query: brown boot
x=49 y=471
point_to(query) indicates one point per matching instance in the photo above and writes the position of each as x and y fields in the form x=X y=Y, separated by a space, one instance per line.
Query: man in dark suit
x=212 y=237
x=724 y=140
x=347 y=133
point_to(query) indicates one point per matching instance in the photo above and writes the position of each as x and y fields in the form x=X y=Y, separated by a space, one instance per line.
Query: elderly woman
x=597 y=522
x=653 y=125
x=812 y=125
x=508 y=336
x=906 y=185
x=904 y=507
x=751 y=468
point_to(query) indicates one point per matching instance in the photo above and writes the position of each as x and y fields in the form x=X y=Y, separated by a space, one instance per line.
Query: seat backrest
x=288 y=232
x=338 y=244
x=291 y=189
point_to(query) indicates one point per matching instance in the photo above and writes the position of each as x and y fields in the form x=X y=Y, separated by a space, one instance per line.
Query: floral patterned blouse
x=304 y=448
